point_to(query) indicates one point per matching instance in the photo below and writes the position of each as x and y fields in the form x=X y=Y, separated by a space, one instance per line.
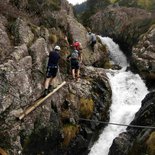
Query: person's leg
x=77 y=70
x=73 y=68
x=51 y=81
x=78 y=74
x=93 y=46
x=47 y=82
x=51 y=87
x=68 y=67
x=73 y=73
x=53 y=73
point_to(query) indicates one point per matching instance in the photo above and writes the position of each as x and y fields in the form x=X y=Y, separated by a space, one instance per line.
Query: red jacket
x=77 y=45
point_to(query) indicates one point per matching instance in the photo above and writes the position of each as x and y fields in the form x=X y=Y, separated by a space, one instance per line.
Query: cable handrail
x=119 y=124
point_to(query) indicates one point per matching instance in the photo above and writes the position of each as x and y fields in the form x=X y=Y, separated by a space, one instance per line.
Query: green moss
x=54 y=4
x=66 y=114
x=151 y=144
x=107 y=65
x=145 y=3
x=113 y=1
x=86 y=107
x=69 y=132
x=53 y=38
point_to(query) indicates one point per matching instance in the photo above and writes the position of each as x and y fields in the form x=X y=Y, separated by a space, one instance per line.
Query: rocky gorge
x=28 y=31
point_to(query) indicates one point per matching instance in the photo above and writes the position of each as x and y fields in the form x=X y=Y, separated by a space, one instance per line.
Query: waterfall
x=116 y=55
x=128 y=90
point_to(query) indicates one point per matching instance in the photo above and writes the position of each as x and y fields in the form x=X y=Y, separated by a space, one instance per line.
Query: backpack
x=75 y=54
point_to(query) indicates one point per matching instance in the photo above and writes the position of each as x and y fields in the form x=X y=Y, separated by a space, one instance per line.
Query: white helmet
x=57 y=48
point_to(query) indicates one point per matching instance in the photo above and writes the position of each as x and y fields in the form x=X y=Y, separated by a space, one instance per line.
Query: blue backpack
x=75 y=55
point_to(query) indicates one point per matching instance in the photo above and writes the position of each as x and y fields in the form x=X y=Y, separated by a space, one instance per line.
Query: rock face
x=137 y=140
x=60 y=115
x=143 y=57
x=22 y=32
x=61 y=124
x=77 y=31
x=122 y=24
x=58 y=126
x=5 y=44
x=68 y=8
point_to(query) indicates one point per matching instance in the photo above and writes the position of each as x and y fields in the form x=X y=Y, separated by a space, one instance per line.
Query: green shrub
x=53 y=38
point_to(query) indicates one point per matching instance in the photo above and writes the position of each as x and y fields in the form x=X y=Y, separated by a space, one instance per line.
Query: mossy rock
x=5 y=142
x=86 y=107
x=151 y=144
x=53 y=38
x=107 y=65
x=70 y=131
x=54 y=5
x=66 y=114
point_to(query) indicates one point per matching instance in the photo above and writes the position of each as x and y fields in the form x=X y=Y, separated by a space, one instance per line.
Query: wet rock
x=150 y=144
x=79 y=145
x=122 y=24
x=143 y=59
x=135 y=140
x=121 y=145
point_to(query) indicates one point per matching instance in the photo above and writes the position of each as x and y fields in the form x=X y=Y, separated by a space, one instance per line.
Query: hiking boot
x=45 y=92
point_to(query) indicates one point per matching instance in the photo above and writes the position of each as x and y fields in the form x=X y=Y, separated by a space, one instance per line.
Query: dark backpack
x=75 y=55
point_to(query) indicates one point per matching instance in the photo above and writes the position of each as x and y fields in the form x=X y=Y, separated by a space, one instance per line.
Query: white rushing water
x=116 y=54
x=128 y=90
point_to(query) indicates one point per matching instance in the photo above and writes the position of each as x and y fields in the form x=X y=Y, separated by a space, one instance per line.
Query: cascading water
x=128 y=90
x=116 y=55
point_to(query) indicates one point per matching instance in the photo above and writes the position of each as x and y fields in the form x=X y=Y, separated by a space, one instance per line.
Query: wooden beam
x=38 y=102
x=2 y=152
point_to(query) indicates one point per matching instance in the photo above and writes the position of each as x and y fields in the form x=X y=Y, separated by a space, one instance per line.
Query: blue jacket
x=53 y=58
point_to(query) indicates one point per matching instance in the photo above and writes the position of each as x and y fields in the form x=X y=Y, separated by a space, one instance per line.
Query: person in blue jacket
x=92 y=40
x=52 y=69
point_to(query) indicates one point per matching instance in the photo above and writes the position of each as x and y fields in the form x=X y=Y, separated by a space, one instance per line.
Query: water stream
x=128 y=90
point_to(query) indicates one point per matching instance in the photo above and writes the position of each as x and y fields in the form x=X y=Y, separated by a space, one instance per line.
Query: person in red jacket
x=77 y=45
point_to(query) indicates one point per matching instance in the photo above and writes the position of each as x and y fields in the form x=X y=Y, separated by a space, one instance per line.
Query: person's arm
x=80 y=46
x=90 y=40
x=80 y=57
x=66 y=39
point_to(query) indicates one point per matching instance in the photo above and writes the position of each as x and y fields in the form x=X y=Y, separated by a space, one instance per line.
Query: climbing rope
x=118 y=124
